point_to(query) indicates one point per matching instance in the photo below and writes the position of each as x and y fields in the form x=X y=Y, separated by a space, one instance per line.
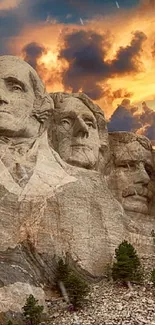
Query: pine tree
x=77 y=289
x=127 y=267
x=75 y=286
x=9 y=322
x=153 y=277
x=32 y=311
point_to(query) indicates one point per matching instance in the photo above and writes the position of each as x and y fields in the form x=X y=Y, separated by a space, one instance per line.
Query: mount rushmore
x=68 y=189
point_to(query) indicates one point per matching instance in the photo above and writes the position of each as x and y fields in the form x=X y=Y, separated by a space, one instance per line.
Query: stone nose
x=142 y=175
x=3 y=97
x=80 y=128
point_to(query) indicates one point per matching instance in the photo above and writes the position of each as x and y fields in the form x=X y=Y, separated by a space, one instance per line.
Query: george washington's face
x=16 y=100
x=75 y=136
x=130 y=178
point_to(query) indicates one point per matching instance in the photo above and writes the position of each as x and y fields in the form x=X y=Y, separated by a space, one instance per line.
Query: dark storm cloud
x=32 y=52
x=96 y=92
x=149 y=132
x=86 y=51
x=122 y=120
x=9 y=27
x=73 y=9
x=127 y=118
x=12 y=21
x=56 y=9
x=86 y=9
x=128 y=58
x=147 y=119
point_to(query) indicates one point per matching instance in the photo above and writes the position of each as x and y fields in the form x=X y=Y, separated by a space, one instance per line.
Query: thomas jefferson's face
x=130 y=179
x=16 y=100
x=76 y=137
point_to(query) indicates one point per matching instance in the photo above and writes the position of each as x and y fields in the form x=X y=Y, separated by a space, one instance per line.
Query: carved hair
x=128 y=137
x=59 y=97
x=43 y=103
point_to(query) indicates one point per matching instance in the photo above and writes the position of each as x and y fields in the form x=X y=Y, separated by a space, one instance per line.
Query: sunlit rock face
x=54 y=199
x=24 y=109
x=89 y=217
x=63 y=186
x=131 y=180
x=78 y=131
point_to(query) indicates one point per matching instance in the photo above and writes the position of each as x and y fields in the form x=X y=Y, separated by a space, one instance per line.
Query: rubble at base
x=108 y=304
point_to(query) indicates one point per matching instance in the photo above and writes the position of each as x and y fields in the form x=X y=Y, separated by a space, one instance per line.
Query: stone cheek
x=131 y=181
x=62 y=207
x=77 y=130
x=24 y=104
x=75 y=134
x=77 y=223
x=79 y=219
x=131 y=172
x=61 y=211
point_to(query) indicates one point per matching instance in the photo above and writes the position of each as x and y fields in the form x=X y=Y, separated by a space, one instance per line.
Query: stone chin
x=11 y=127
x=136 y=204
x=78 y=163
x=82 y=158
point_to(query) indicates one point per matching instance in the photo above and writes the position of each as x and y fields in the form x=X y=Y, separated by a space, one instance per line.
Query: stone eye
x=66 y=123
x=89 y=123
x=124 y=165
x=17 y=87
x=127 y=165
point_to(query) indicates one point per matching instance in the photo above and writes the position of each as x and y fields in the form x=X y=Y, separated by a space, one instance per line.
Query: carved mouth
x=137 y=196
x=143 y=193
x=6 y=112
x=81 y=146
x=136 y=204
x=141 y=198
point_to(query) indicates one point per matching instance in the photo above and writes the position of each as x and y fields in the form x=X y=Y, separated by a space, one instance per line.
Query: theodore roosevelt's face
x=130 y=178
x=76 y=137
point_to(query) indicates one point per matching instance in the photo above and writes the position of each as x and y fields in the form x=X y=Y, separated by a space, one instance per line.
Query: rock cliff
x=56 y=187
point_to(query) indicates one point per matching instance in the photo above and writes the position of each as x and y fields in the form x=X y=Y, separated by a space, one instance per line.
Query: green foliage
x=153 y=236
x=127 y=266
x=9 y=322
x=32 y=311
x=153 y=277
x=62 y=271
x=76 y=287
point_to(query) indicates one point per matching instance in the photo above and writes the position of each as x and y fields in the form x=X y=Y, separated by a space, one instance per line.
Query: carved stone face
x=130 y=177
x=16 y=100
x=76 y=137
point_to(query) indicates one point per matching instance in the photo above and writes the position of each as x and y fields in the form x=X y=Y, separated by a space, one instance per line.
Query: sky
x=104 y=48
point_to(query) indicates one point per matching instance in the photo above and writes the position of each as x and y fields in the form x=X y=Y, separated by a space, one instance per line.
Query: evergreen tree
x=32 y=311
x=153 y=277
x=127 y=267
x=76 y=287
x=62 y=271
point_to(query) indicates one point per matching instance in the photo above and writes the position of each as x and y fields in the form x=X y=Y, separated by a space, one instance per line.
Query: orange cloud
x=119 y=28
x=9 y=4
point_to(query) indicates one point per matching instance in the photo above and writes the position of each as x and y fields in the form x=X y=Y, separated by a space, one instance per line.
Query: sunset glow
x=101 y=49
